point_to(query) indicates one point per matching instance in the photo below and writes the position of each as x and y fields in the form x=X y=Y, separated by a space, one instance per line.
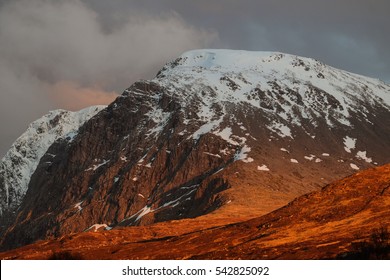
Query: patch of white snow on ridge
x=78 y=206
x=263 y=168
x=311 y=157
x=213 y=155
x=280 y=129
x=225 y=134
x=293 y=160
x=349 y=144
x=96 y=166
x=206 y=128
x=363 y=155
x=354 y=166
x=225 y=151
x=144 y=211
x=160 y=118
x=96 y=227
x=325 y=154
x=243 y=154
x=284 y=150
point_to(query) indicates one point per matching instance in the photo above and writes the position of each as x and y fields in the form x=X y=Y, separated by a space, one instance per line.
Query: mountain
x=228 y=134
x=326 y=224
x=20 y=162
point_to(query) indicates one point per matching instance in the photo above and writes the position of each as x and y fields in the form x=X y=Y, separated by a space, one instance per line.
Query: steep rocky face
x=246 y=131
x=20 y=162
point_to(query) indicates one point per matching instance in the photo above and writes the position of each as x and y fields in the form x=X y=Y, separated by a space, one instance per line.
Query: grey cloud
x=49 y=48
x=304 y=27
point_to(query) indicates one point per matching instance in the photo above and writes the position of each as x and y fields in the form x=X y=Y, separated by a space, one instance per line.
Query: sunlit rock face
x=231 y=133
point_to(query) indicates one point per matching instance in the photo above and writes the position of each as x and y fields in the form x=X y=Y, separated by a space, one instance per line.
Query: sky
x=71 y=54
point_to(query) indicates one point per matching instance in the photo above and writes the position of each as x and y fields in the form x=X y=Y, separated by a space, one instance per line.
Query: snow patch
x=349 y=144
x=227 y=135
x=293 y=160
x=354 y=166
x=280 y=129
x=243 y=154
x=95 y=227
x=144 y=211
x=311 y=157
x=206 y=128
x=213 y=155
x=363 y=155
x=78 y=205
x=96 y=166
x=263 y=168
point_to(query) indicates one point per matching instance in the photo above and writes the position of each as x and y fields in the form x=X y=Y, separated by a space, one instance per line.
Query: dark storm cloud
x=60 y=53
x=349 y=34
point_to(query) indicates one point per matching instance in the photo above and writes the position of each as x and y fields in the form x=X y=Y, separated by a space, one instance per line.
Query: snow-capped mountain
x=17 y=166
x=288 y=89
x=235 y=134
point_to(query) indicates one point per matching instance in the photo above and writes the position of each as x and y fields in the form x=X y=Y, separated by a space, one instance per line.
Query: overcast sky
x=74 y=53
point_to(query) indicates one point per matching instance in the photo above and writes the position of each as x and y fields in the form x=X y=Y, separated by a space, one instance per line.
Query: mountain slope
x=322 y=224
x=228 y=133
x=17 y=166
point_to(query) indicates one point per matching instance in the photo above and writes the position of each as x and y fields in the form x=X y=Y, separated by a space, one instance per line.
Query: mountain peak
x=231 y=133
x=20 y=162
x=225 y=58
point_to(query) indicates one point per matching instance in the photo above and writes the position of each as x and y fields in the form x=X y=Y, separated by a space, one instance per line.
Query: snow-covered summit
x=251 y=68
x=23 y=157
x=287 y=87
x=223 y=58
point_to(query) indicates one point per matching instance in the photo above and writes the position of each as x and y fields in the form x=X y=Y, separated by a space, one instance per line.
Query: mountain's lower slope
x=237 y=134
x=322 y=224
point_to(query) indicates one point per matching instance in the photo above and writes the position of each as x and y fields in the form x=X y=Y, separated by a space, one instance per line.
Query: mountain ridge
x=19 y=163
x=201 y=138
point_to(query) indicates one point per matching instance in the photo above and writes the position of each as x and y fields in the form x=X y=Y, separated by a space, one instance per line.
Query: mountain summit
x=228 y=134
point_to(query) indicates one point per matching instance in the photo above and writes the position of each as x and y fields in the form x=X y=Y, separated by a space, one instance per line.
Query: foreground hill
x=323 y=224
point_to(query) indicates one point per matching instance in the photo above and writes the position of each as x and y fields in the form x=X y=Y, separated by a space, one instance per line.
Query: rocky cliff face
x=229 y=132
